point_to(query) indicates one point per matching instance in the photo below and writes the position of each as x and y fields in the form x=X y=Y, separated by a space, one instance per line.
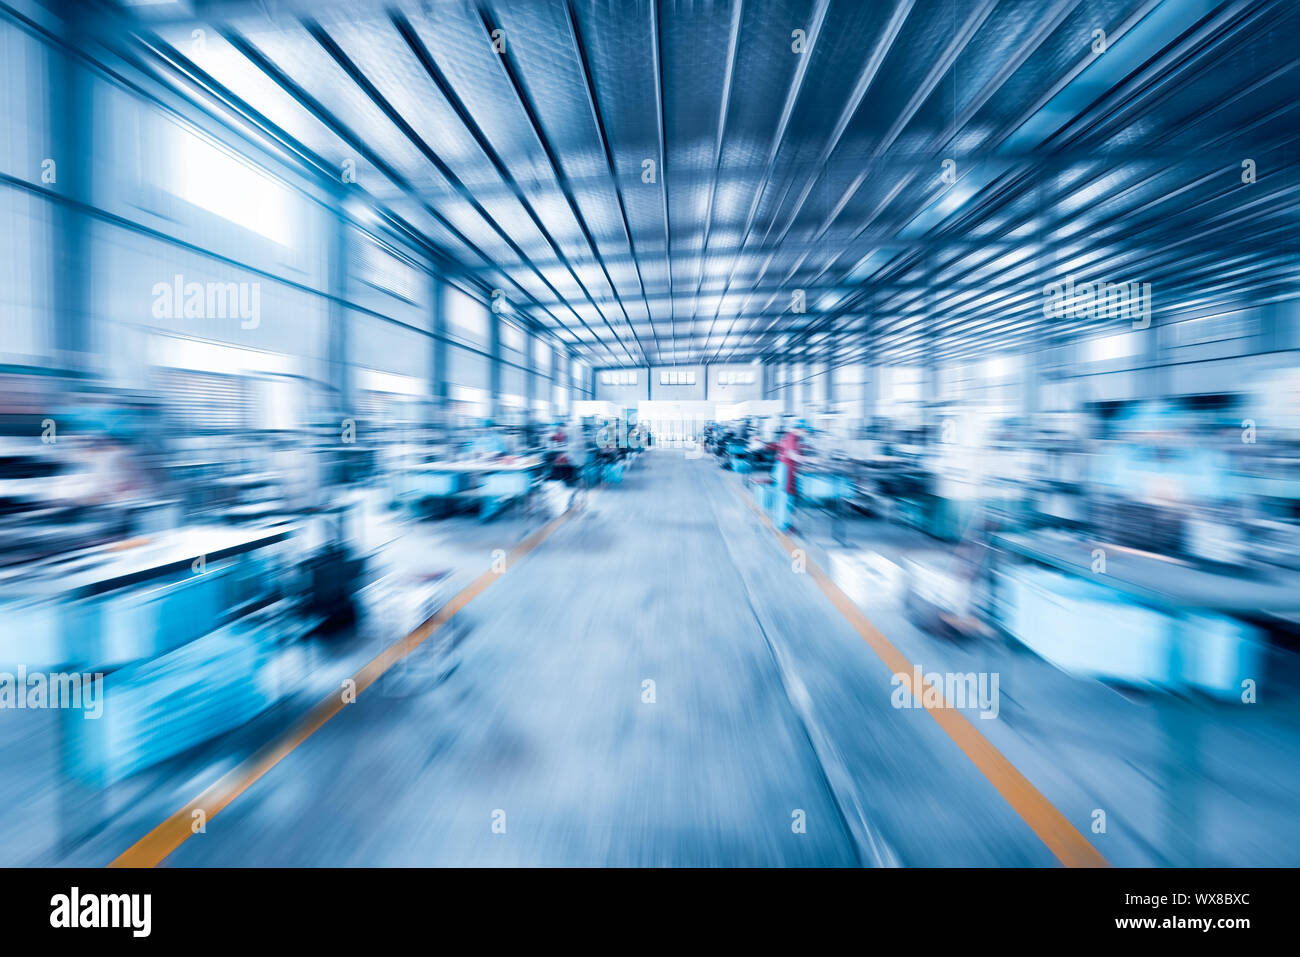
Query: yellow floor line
x=154 y=847
x=1052 y=827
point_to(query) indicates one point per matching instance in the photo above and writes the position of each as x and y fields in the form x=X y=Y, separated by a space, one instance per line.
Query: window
x=736 y=377
x=677 y=377
x=618 y=377
x=852 y=374
x=512 y=337
x=903 y=383
x=1192 y=332
x=900 y=392
x=1105 y=348
x=541 y=358
x=470 y=401
x=207 y=176
x=379 y=268
x=999 y=368
x=467 y=318
x=374 y=380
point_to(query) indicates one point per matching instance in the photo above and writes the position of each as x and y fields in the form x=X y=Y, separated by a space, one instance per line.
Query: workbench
x=108 y=606
x=162 y=622
x=1163 y=581
x=1146 y=618
x=494 y=482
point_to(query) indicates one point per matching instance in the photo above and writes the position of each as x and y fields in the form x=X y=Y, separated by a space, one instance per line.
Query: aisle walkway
x=767 y=709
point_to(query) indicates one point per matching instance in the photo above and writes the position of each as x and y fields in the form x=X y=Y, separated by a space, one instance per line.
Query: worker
x=789 y=455
x=575 y=455
x=561 y=468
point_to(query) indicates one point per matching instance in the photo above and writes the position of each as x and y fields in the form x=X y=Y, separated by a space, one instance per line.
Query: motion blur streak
x=312 y=311
x=1070 y=847
x=153 y=848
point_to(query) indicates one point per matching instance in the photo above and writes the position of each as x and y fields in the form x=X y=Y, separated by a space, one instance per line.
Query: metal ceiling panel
x=655 y=178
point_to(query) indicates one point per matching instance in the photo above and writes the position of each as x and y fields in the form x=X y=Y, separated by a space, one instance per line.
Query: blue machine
x=818 y=488
x=155 y=710
x=500 y=488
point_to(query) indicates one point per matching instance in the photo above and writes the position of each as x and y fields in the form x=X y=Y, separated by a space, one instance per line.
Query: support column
x=438 y=358
x=1032 y=381
x=1153 y=374
x=71 y=149
x=929 y=392
x=563 y=374
x=530 y=368
x=494 y=365
x=870 y=391
x=340 y=378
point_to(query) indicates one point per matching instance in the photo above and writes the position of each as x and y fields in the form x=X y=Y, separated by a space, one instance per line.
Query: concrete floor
x=768 y=708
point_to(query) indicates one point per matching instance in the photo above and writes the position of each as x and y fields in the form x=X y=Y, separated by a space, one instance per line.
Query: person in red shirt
x=789 y=454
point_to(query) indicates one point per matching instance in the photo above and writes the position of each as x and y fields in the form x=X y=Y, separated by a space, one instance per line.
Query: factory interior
x=657 y=433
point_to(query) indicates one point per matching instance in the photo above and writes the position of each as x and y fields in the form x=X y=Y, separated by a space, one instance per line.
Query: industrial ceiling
x=657 y=182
